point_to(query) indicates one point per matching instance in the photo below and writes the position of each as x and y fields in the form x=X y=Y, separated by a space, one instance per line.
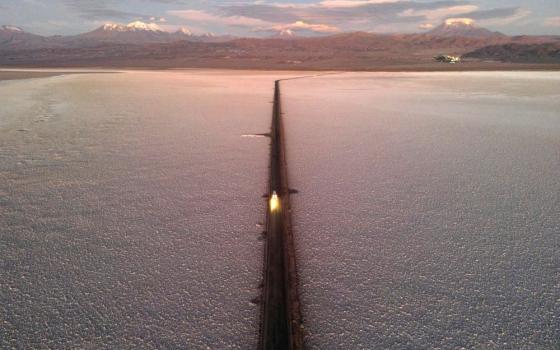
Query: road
x=281 y=316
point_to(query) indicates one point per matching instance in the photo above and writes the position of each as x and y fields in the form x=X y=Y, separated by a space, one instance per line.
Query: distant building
x=447 y=59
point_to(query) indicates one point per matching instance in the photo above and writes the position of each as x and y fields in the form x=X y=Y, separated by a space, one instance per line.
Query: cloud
x=340 y=10
x=315 y=16
x=349 y=15
x=374 y=15
x=552 y=22
x=500 y=16
x=302 y=26
x=254 y=24
x=98 y=10
x=506 y=12
x=353 y=3
x=439 y=14
x=425 y=26
x=209 y=18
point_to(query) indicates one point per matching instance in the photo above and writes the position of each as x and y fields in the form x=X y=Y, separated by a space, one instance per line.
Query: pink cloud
x=552 y=22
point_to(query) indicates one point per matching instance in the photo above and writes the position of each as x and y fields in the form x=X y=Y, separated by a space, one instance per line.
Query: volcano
x=463 y=27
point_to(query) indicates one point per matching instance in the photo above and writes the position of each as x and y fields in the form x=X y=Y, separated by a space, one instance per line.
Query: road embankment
x=281 y=326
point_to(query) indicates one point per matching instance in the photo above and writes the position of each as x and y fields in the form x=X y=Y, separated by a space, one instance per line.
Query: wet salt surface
x=128 y=210
x=429 y=209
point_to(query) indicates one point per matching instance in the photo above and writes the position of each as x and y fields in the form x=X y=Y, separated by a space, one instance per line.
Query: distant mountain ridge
x=12 y=37
x=140 y=33
x=147 y=44
x=135 y=33
x=519 y=53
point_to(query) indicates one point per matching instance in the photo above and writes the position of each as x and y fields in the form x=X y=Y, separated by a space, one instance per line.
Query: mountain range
x=139 y=44
x=135 y=33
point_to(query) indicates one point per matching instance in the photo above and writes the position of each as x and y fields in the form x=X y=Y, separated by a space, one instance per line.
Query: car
x=274 y=202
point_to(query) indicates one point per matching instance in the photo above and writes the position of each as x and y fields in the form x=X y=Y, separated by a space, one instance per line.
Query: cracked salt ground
x=431 y=213
x=128 y=221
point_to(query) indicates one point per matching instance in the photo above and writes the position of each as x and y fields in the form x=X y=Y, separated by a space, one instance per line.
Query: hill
x=519 y=53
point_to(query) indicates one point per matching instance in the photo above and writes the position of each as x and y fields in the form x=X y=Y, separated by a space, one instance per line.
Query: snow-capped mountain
x=132 y=27
x=462 y=27
x=145 y=33
x=135 y=33
x=285 y=34
x=184 y=31
x=150 y=43
x=12 y=29
x=14 y=37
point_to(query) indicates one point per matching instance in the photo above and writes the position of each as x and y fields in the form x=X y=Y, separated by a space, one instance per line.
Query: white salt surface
x=128 y=210
x=428 y=213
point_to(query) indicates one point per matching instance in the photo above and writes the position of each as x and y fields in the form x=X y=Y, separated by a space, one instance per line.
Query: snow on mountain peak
x=459 y=22
x=184 y=31
x=462 y=27
x=11 y=28
x=287 y=33
x=138 y=25
x=111 y=26
x=133 y=26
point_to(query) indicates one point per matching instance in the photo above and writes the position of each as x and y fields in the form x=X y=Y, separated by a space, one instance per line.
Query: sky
x=266 y=17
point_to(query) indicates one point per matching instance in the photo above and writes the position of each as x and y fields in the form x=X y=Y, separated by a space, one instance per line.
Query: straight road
x=281 y=316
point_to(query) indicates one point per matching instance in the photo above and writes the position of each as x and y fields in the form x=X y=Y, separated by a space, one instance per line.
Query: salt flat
x=129 y=205
x=428 y=213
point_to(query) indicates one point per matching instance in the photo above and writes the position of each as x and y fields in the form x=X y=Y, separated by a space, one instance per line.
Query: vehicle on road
x=274 y=202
